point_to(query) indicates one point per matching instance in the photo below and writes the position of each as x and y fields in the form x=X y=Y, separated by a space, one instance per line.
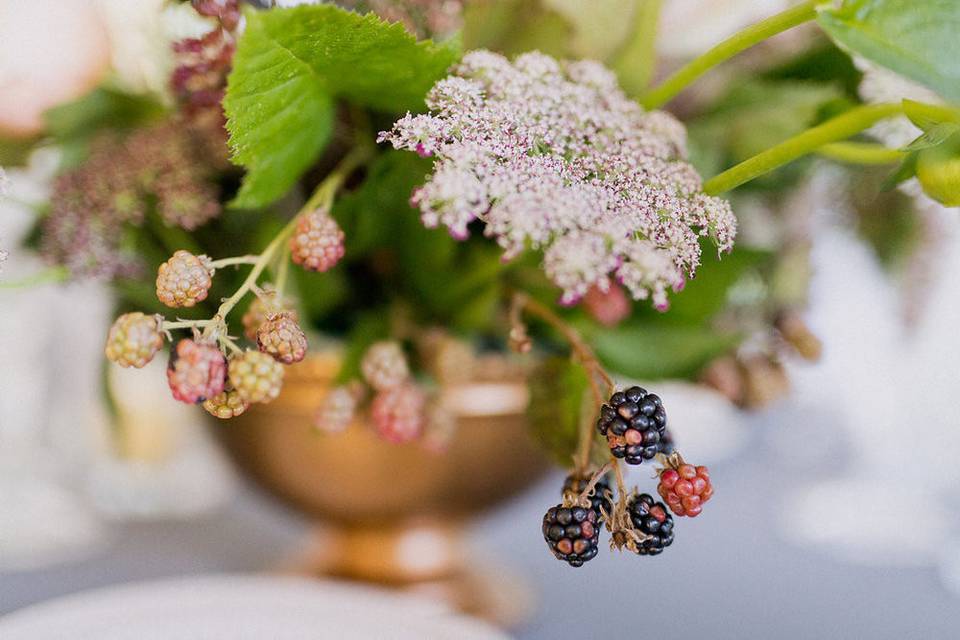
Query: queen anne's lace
x=554 y=156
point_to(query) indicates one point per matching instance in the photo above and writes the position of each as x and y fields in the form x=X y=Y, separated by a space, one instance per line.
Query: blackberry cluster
x=651 y=518
x=634 y=423
x=666 y=443
x=602 y=495
x=572 y=533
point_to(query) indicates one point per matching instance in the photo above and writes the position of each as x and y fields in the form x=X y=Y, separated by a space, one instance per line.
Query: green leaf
x=558 y=391
x=906 y=170
x=927 y=116
x=933 y=137
x=290 y=67
x=915 y=38
x=652 y=352
x=99 y=109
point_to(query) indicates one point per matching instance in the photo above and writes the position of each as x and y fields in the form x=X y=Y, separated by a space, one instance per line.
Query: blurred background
x=831 y=429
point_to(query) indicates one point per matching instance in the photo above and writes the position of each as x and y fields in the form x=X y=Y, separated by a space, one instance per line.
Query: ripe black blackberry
x=602 y=495
x=634 y=423
x=572 y=533
x=652 y=519
x=666 y=442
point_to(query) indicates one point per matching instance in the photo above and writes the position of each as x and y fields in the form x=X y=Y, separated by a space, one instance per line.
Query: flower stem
x=843 y=126
x=730 y=47
x=860 y=153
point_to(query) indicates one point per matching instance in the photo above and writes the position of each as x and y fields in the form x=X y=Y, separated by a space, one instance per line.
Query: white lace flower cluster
x=554 y=156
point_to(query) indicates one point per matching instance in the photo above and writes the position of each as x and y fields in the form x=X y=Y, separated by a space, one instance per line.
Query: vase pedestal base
x=423 y=557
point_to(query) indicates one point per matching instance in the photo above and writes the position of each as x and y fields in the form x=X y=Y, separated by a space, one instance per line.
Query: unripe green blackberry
x=184 y=279
x=263 y=306
x=384 y=365
x=256 y=376
x=337 y=410
x=226 y=404
x=134 y=339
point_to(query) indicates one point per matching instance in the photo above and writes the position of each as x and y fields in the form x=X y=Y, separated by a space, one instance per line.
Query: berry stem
x=322 y=197
x=238 y=260
x=583 y=353
x=184 y=324
x=843 y=126
x=602 y=471
x=725 y=50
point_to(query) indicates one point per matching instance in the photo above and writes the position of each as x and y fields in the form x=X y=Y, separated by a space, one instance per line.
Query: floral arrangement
x=433 y=203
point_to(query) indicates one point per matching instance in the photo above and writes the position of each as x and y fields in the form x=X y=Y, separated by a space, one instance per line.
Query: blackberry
x=572 y=533
x=602 y=496
x=651 y=518
x=666 y=442
x=634 y=423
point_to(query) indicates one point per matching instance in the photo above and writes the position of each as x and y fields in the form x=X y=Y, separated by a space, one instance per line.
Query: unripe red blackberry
x=133 y=340
x=184 y=279
x=337 y=410
x=398 y=413
x=196 y=371
x=651 y=519
x=572 y=533
x=600 y=498
x=281 y=337
x=226 y=404
x=256 y=376
x=384 y=365
x=685 y=489
x=633 y=422
x=609 y=307
x=317 y=242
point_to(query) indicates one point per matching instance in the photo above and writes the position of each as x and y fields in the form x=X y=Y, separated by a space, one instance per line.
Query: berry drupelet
x=572 y=533
x=633 y=421
x=651 y=519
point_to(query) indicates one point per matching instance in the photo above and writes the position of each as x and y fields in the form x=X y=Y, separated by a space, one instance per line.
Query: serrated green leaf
x=290 y=67
x=915 y=38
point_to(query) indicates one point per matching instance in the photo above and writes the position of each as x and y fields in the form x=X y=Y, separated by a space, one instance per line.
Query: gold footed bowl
x=394 y=514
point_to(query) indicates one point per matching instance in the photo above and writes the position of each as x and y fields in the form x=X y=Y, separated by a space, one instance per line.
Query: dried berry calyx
x=600 y=496
x=634 y=422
